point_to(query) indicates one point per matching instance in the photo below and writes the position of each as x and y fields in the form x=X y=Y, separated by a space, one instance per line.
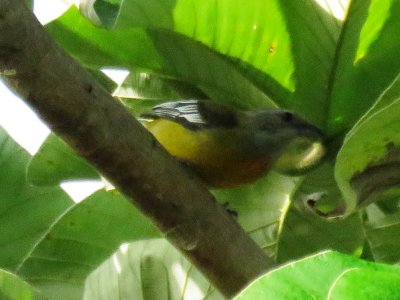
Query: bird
x=227 y=147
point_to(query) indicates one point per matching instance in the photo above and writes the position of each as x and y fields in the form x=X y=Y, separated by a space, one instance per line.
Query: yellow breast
x=215 y=158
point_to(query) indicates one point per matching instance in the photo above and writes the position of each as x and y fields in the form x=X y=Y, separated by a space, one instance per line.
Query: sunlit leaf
x=274 y=43
x=327 y=276
x=13 y=287
x=161 y=51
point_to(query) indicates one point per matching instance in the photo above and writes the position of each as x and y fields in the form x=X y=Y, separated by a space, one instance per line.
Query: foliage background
x=340 y=75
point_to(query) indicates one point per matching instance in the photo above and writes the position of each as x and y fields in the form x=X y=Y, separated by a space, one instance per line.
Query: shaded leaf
x=314 y=35
x=150 y=269
x=26 y=212
x=140 y=91
x=372 y=146
x=382 y=232
x=81 y=239
x=105 y=81
x=364 y=68
x=148 y=86
x=318 y=233
x=261 y=208
x=56 y=162
x=29 y=3
x=318 y=190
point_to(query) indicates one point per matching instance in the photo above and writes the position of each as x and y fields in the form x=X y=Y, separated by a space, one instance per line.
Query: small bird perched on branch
x=227 y=147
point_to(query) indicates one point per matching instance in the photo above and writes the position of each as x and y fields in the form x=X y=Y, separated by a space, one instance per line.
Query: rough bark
x=100 y=129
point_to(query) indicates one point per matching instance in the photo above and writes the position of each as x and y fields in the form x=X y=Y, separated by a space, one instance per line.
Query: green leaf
x=237 y=29
x=372 y=146
x=148 y=86
x=151 y=269
x=158 y=50
x=29 y=3
x=56 y=162
x=317 y=233
x=362 y=284
x=366 y=60
x=309 y=219
x=190 y=61
x=314 y=36
x=81 y=239
x=319 y=191
x=261 y=208
x=13 y=287
x=140 y=91
x=275 y=43
x=26 y=211
x=96 y=48
x=382 y=232
x=105 y=81
x=326 y=275
x=50 y=243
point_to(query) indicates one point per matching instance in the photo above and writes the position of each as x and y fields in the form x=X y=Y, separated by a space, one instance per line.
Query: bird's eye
x=287 y=116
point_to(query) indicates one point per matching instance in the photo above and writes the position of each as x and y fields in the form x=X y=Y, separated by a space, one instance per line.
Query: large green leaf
x=158 y=50
x=29 y=3
x=235 y=28
x=319 y=191
x=292 y=45
x=317 y=233
x=95 y=47
x=27 y=212
x=80 y=240
x=48 y=241
x=261 y=208
x=56 y=162
x=13 y=287
x=148 y=86
x=367 y=164
x=329 y=275
x=275 y=43
x=366 y=61
x=314 y=35
x=382 y=231
x=150 y=269
x=189 y=60
x=309 y=219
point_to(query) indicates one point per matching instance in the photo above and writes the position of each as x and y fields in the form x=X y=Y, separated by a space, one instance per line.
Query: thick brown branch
x=102 y=131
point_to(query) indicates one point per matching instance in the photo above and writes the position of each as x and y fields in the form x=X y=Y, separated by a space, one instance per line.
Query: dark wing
x=195 y=114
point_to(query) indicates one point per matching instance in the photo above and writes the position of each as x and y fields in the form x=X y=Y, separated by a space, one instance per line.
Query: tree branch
x=100 y=129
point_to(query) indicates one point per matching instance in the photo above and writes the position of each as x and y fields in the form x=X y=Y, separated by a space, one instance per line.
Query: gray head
x=293 y=143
